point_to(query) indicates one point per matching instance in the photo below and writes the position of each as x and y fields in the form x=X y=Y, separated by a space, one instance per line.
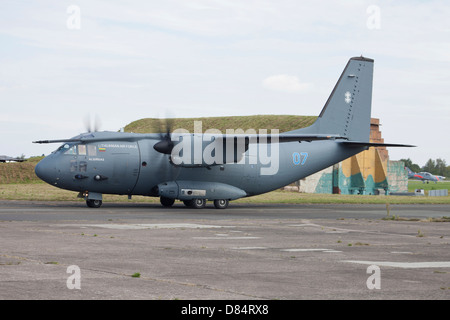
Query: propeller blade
x=92 y=126
x=165 y=146
x=97 y=123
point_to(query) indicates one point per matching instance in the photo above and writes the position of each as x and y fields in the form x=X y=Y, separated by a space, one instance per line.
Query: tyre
x=188 y=203
x=195 y=203
x=94 y=203
x=221 y=203
x=167 y=202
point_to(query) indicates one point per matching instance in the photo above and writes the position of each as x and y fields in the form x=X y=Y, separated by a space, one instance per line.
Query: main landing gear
x=221 y=204
x=196 y=203
x=168 y=202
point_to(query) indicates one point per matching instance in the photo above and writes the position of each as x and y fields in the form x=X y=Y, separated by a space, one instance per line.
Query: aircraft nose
x=44 y=170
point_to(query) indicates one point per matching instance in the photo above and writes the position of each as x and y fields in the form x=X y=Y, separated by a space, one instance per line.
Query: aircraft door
x=250 y=173
x=125 y=167
x=154 y=169
x=114 y=167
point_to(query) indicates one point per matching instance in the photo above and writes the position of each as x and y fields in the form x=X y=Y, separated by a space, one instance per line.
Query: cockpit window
x=92 y=150
x=74 y=149
x=82 y=149
x=63 y=147
x=70 y=149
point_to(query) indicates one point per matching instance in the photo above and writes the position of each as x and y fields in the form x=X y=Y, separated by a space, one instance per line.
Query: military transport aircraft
x=4 y=158
x=196 y=167
x=423 y=176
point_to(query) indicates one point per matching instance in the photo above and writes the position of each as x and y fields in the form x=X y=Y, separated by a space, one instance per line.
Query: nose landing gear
x=93 y=199
x=94 y=203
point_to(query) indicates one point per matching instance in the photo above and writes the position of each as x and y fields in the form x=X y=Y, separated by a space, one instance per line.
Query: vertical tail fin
x=348 y=109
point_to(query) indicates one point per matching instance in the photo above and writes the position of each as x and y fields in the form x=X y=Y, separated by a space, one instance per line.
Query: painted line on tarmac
x=226 y=238
x=404 y=265
x=140 y=226
x=310 y=250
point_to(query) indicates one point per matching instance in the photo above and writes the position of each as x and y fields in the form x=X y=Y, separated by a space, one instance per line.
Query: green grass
x=19 y=172
x=416 y=184
x=18 y=182
x=45 y=192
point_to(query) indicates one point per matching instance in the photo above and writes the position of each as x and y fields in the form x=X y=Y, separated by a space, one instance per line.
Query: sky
x=63 y=62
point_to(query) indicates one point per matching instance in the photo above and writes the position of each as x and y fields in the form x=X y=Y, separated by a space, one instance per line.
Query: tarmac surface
x=64 y=250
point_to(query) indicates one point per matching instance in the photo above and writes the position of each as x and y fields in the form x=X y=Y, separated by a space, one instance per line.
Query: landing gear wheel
x=221 y=203
x=188 y=203
x=94 y=203
x=195 y=203
x=167 y=202
x=198 y=203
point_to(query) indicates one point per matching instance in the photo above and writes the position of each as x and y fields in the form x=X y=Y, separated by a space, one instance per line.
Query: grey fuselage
x=133 y=167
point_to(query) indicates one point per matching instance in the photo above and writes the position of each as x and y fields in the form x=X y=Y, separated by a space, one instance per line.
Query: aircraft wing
x=103 y=137
x=249 y=138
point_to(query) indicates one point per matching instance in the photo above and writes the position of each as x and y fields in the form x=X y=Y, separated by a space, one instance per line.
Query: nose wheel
x=94 y=203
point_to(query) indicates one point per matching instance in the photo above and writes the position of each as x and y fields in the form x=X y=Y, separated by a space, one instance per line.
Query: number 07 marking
x=299 y=158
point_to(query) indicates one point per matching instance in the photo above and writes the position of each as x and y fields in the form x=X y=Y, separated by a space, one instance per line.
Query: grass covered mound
x=283 y=123
x=19 y=172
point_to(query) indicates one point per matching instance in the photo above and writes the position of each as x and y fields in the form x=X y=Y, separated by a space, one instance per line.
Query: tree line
x=437 y=167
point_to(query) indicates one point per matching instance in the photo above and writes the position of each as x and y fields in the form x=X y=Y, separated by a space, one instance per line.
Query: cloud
x=286 y=83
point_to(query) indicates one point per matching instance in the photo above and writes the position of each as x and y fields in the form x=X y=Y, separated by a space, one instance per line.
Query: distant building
x=369 y=172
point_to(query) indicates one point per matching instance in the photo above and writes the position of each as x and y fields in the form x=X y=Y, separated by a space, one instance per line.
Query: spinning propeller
x=165 y=145
x=92 y=126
